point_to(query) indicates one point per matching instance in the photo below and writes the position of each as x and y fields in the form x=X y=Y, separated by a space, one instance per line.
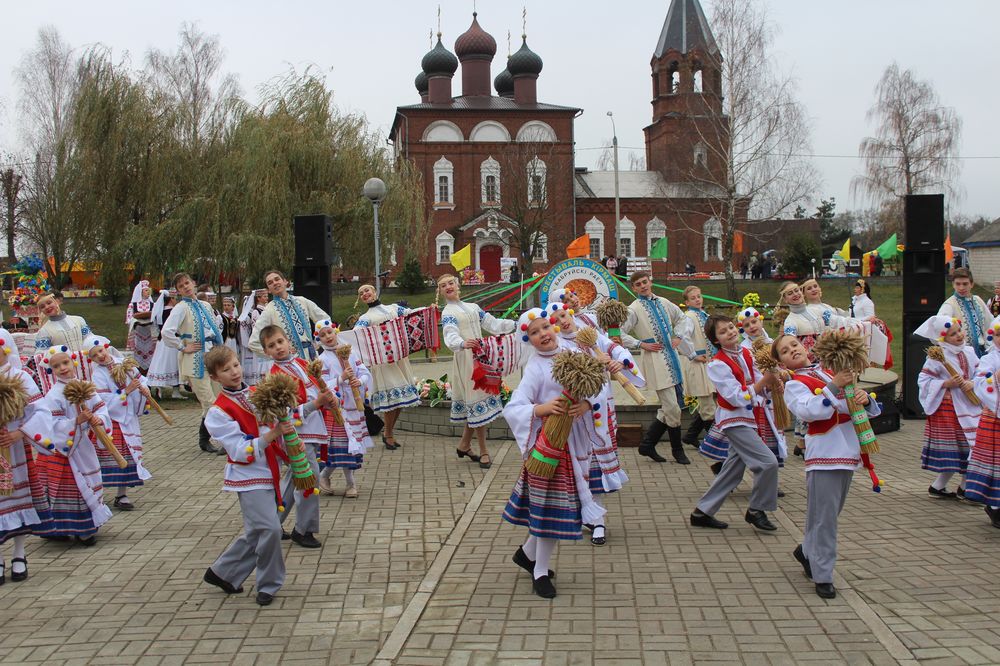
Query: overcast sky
x=596 y=57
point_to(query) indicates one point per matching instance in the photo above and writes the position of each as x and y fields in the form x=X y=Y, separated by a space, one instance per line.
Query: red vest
x=826 y=425
x=303 y=397
x=737 y=371
x=234 y=410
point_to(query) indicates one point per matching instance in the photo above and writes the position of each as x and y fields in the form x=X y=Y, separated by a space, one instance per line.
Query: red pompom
x=73 y=356
x=524 y=327
x=38 y=438
x=250 y=459
x=552 y=320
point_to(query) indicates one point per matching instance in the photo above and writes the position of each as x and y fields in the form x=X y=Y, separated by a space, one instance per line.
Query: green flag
x=888 y=250
x=659 y=249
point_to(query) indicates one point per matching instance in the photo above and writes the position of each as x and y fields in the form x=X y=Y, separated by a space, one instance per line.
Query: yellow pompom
x=297 y=423
x=571 y=312
x=818 y=391
x=941 y=338
x=597 y=424
x=746 y=396
x=249 y=449
x=989 y=380
x=69 y=442
x=6 y=350
x=872 y=395
x=954 y=320
x=46 y=441
x=336 y=330
x=76 y=364
x=531 y=316
x=281 y=509
x=557 y=328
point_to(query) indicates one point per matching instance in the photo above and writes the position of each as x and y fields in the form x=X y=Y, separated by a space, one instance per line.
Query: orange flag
x=738 y=241
x=949 y=254
x=579 y=247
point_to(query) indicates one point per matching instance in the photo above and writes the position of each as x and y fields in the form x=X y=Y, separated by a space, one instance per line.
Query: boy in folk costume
x=659 y=327
x=59 y=328
x=555 y=508
x=230 y=327
x=191 y=329
x=72 y=474
x=293 y=314
x=952 y=416
x=740 y=416
x=252 y=472
x=982 y=480
x=832 y=453
x=347 y=443
x=125 y=402
x=605 y=473
x=971 y=309
x=24 y=507
x=699 y=352
x=141 y=328
x=462 y=326
x=311 y=427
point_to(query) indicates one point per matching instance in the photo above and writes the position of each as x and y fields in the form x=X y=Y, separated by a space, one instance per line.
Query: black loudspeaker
x=924 y=216
x=914 y=355
x=924 y=275
x=313 y=240
x=313 y=282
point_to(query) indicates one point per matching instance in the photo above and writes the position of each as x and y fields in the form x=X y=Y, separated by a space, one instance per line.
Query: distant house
x=984 y=253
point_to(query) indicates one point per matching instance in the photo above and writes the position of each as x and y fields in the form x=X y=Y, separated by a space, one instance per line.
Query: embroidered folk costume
x=141 y=327
x=254 y=365
x=975 y=316
x=230 y=326
x=61 y=329
x=163 y=370
x=295 y=315
x=982 y=480
x=696 y=383
x=393 y=382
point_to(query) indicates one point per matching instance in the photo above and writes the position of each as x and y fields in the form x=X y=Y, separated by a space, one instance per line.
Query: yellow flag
x=845 y=252
x=462 y=258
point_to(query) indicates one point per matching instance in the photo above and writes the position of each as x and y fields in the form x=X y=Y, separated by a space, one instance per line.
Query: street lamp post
x=618 y=215
x=374 y=190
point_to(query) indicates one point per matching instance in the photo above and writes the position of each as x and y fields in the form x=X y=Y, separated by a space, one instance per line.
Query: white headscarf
x=249 y=304
x=936 y=327
x=236 y=306
x=161 y=302
x=138 y=303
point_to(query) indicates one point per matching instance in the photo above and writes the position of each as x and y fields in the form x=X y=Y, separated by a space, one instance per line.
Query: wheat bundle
x=766 y=363
x=122 y=374
x=611 y=314
x=935 y=353
x=841 y=350
x=581 y=376
x=314 y=369
x=13 y=398
x=276 y=394
x=587 y=337
x=78 y=392
x=343 y=352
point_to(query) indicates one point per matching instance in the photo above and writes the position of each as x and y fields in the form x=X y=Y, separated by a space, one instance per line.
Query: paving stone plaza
x=417 y=571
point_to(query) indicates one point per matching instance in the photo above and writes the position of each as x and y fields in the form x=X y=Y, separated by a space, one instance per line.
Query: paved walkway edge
x=871 y=618
x=415 y=608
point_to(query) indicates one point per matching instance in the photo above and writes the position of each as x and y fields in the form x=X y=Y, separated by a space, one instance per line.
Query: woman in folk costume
x=552 y=508
x=72 y=474
x=229 y=324
x=59 y=328
x=141 y=327
x=254 y=365
x=970 y=308
x=24 y=507
x=394 y=389
x=813 y=294
x=462 y=325
x=982 y=480
x=125 y=402
x=347 y=377
x=605 y=474
x=862 y=305
x=698 y=351
x=163 y=372
x=947 y=399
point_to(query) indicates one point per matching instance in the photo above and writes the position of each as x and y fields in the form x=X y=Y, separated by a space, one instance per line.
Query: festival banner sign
x=590 y=280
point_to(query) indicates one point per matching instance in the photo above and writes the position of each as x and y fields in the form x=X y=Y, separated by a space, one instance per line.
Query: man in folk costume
x=59 y=328
x=659 y=327
x=141 y=328
x=971 y=309
x=296 y=315
x=191 y=329
x=699 y=352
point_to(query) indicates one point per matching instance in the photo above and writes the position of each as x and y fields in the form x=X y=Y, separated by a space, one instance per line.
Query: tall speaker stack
x=924 y=276
x=313 y=258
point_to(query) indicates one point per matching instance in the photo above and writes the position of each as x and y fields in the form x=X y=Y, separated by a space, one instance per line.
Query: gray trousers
x=259 y=547
x=307 y=515
x=826 y=492
x=746 y=450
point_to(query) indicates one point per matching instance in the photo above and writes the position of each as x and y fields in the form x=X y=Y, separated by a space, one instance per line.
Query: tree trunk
x=727 y=247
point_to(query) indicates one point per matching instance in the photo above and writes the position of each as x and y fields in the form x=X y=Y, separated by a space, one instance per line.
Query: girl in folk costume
x=59 y=328
x=462 y=325
x=230 y=324
x=72 y=475
x=834 y=317
x=552 y=503
x=163 y=372
x=741 y=418
x=349 y=379
x=24 y=507
x=605 y=472
x=141 y=327
x=993 y=305
x=862 y=305
x=572 y=299
x=125 y=402
x=751 y=324
x=254 y=366
x=982 y=480
x=697 y=353
x=394 y=389
x=832 y=453
x=948 y=400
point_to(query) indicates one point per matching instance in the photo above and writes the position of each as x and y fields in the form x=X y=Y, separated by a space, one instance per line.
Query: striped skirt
x=27 y=495
x=335 y=453
x=945 y=446
x=113 y=475
x=982 y=481
x=595 y=478
x=549 y=508
x=70 y=515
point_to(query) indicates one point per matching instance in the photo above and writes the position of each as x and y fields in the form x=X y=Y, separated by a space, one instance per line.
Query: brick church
x=494 y=157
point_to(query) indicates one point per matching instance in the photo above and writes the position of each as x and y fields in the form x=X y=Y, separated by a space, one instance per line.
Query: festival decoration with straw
x=343 y=352
x=587 y=337
x=13 y=399
x=122 y=374
x=935 y=353
x=275 y=395
x=78 y=392
x=314 y=369
x=766 y=363
x=611 y=314
x=581 y=376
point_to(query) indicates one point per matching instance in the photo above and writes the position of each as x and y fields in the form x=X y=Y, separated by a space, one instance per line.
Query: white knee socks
x=19 y=545
x=543 y=556
x=529 y=547
x=349 y=476
x=942 y=480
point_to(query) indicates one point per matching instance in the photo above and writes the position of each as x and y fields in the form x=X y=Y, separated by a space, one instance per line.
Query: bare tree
x=47 y=80
x=631 y=160
x=916 y=142
x=13 y=207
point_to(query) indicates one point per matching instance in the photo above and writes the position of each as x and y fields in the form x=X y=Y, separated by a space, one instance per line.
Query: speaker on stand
x=314 y=255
